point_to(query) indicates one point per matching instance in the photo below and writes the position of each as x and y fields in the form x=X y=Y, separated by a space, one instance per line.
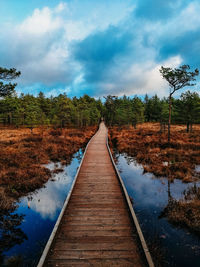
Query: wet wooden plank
x=96 y=229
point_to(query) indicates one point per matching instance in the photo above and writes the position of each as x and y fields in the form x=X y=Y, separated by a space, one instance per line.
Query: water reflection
x=185 y=212
x=197 y=168
x=41 y=210
x=48 y=200
x=150 y=197
x=10 y=232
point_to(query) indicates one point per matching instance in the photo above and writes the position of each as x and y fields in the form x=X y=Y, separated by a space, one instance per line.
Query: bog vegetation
x=39 y=129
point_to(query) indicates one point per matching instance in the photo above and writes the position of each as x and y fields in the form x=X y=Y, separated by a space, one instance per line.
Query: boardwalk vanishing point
x=97 y=225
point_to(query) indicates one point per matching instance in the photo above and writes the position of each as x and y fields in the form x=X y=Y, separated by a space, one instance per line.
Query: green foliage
x=123 y=111
x=177 y=79
x=62 y=111
x=127 y=111
x=188 y=109
x=138 y=110
x=7 y=75
x=59 y=111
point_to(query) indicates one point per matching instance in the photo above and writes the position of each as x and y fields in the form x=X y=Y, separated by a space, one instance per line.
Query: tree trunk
x=169 y=122
x=168 y=190
x=9 y=118
x=191 y=127
x=188 y=124
x=161 y=127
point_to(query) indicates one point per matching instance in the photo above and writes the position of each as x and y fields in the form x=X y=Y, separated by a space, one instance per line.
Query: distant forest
x=62 y=111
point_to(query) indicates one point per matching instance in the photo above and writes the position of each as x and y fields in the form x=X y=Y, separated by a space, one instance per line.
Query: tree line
x=62 y=111
x=59 y=111
x=131 y=111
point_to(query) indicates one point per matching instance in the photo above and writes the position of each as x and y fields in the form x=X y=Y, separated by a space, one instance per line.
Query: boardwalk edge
x=53 y=233
x=132 y=212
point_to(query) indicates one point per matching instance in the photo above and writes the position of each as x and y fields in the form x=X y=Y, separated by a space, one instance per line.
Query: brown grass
x=185 y=212
x=22 y=155
x=175 y=160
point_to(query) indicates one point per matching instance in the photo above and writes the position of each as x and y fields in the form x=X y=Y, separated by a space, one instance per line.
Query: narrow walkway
x=96 y=229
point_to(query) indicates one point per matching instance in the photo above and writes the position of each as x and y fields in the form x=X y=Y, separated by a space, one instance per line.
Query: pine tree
x=7 y=75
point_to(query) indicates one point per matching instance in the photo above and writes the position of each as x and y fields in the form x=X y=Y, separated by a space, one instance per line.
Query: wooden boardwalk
x=96 y=227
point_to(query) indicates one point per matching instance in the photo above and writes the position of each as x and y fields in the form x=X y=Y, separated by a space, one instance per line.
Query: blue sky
x=98 y=47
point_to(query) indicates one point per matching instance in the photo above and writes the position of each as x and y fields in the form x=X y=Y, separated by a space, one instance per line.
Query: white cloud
x=61 y=7
x=39 y=50
x=149 y=79
x=48 y=201
x=139 y=78
x=39 y=45
x=41 y=22
x=189 y=18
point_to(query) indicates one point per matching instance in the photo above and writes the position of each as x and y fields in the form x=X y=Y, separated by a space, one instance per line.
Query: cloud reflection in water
x=48 y=201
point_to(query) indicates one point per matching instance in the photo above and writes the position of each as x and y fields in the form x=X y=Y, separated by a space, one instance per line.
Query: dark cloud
x=99 y=51
x=156 y=10
x=186 y=45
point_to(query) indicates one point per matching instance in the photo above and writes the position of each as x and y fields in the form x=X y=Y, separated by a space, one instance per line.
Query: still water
x=41 y=210
x=37 y=213
x=177 y=246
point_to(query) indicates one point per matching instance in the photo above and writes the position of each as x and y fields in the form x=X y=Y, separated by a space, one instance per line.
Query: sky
x=99 y=48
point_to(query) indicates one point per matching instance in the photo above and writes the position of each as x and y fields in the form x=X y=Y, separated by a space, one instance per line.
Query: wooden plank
x=87 y=233
x=97 y=220
x=95 y=243
x=92 y=254
x=92 y=212
x=93 y=262
x=96 y=229
x=103 y=196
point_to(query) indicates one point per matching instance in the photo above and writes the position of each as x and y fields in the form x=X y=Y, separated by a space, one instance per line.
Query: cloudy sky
x=98 y=47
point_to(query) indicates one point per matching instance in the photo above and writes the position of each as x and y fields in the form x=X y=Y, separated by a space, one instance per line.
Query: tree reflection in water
x=10 y=233
x=186 y=211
